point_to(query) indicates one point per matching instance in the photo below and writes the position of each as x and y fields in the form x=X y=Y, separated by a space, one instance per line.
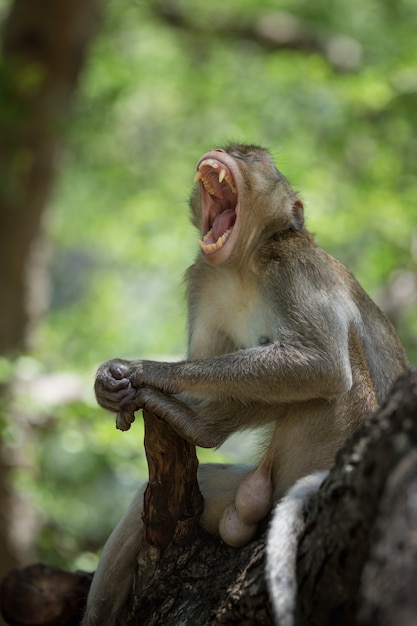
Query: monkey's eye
x=236 y=155
x=247 y=154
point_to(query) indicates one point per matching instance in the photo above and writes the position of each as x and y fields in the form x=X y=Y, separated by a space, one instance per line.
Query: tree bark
x=337 y=543
x=44 y=45
x=42 y=595
x=388 y=589
x=172 y=501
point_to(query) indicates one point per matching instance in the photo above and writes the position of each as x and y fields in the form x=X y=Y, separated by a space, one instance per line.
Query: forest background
x=329 y=87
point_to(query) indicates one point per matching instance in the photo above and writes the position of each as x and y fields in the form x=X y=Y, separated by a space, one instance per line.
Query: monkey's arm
x=279 y=372
x=205 y=424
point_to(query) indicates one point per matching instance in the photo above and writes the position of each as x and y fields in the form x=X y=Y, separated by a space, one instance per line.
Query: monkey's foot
x=254 y=495
x=253 y=502
x=233 y=530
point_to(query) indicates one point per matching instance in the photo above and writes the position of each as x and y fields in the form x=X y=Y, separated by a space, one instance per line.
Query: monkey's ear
x=297 y=219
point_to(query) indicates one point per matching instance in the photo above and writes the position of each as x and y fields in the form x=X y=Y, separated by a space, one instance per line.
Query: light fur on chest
x=231 y=315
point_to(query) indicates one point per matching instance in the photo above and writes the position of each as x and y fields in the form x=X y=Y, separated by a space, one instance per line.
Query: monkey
x=280 y=334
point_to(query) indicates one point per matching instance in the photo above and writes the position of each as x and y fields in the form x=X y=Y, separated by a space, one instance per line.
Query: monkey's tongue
x=222 y=222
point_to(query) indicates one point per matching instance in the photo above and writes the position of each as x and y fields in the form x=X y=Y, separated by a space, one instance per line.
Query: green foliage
x=154 y=98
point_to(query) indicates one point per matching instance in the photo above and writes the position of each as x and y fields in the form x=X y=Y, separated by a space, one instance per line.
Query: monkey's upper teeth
x=210 y=162
x=208 y=186
x=224 y=174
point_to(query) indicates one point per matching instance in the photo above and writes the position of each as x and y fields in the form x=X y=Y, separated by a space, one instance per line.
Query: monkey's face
x=240 y=198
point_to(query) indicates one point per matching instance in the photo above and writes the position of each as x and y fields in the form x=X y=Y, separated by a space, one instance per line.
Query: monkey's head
x=241 y=198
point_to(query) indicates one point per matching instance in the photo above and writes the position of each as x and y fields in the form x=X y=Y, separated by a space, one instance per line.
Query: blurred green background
x=329 y=87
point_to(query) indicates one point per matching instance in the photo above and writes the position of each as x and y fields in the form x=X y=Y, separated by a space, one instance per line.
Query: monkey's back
x=384 y=353
x=299 y=258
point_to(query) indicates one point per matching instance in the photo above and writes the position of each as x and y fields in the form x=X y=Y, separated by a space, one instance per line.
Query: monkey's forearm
x=204 y=424
x=280 y=372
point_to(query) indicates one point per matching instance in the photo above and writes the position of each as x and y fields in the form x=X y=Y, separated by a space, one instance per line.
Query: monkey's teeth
x=209 y=248
x=223 y=175
x=208 y=186
x=210 y=163
x=231 y=184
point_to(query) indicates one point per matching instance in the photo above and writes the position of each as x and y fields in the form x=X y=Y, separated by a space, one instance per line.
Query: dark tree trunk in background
x=44 y=45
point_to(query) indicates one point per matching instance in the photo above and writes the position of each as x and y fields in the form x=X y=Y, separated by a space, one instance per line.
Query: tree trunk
x=44 y=45
x=340 y=525
x=388 y=591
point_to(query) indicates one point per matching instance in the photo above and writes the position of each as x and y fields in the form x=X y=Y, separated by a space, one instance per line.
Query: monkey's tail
x=284 y=532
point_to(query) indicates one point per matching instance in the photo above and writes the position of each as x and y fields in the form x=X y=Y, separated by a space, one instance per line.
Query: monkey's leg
x=113 y=579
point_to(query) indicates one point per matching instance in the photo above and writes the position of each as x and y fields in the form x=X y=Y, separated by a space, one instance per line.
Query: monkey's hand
x=113 y=388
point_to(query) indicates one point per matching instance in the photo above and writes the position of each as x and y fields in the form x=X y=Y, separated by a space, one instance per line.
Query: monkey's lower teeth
x=209 y=248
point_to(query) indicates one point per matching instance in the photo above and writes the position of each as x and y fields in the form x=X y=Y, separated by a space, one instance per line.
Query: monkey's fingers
x=106 y=384
x=125 y=418
x=115 y=400
x=118 y=369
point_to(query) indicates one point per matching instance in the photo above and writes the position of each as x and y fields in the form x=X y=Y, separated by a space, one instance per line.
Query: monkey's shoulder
x=296 y=266
x=297 y=259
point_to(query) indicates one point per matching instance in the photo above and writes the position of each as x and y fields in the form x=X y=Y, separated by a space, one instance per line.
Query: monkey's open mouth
x=219 y=199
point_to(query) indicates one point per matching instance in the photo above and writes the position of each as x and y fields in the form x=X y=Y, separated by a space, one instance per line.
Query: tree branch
x=172 y=502
x=44 y=45
x=272 y=31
